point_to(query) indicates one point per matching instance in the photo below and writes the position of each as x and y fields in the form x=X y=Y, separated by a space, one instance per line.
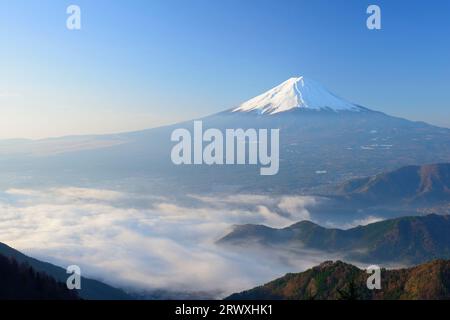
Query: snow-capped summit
x=296 y=93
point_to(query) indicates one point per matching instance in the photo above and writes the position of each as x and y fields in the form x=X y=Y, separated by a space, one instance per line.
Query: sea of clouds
x=149 y=242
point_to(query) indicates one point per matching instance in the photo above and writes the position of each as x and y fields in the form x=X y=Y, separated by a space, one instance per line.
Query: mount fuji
x=293 y=94
x=324 y=140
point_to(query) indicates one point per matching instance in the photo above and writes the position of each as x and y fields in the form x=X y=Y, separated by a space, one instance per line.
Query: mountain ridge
x=406 y=184
x=20 y=281
x=90 y=289
x=341 y=281
x=406 y=240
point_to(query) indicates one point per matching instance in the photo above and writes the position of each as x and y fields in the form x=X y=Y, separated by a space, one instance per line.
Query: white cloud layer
x=354 y=223
x=147 y=242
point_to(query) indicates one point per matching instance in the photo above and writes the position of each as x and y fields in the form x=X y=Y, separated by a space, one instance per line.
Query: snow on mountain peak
x=297 y=92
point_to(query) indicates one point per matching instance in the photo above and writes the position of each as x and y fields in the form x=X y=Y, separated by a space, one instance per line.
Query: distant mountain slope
x=411 y=183
x=90 y=289
x=22 y=282
x=407 y=240
x=338 y=280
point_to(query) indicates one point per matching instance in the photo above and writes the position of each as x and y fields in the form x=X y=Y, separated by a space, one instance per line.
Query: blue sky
x=139 y=64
